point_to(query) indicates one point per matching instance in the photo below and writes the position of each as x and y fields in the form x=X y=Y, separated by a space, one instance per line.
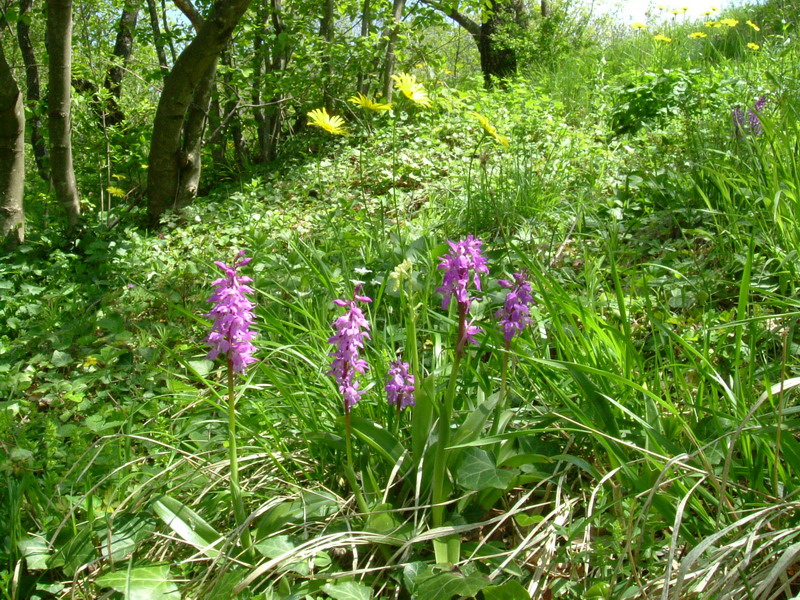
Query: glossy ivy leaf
x=510 y=590
x=443 y=586
x=477 y=471
x=141 y=583
x=347 y=590
x=35 y=551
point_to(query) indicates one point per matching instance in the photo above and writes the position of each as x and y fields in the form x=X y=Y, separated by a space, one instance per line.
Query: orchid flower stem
x=500 y=407
x=349 y=471
x=236 y=492
x=440 y=464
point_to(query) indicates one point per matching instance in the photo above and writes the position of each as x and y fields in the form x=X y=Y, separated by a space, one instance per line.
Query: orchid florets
x=233 y=315
x=400 y=385
x=465 y=263
x=515 y=314
x=350 y=332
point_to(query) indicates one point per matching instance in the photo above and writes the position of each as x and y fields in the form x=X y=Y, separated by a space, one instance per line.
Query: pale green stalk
x=236 y=492
x=500 y=407
x=349 y=471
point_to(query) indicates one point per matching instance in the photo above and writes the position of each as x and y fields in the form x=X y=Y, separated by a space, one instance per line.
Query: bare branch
x=471 y=26
x=188 y=9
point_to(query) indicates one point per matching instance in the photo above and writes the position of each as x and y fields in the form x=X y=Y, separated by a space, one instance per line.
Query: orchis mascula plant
x=462 y=266
x=400 y=385
x=351 y=329
x=513 y=318
x=231 y=336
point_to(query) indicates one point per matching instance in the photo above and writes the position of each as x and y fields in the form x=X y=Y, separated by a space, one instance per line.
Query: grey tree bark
x=394 y=30
x=12 y=158
x=122 y=53
x=158 y=38
x=59 y=47
x=168 y=183
x=33 y=91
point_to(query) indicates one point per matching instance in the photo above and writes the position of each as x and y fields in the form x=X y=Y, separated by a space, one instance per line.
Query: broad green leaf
x=141 y=583
x=477 y=471
x=35 y=551
x=347 y=590
x=188 y=525
x=127 y=530
x=383 y=442
x=282 y=545
x=510 y=590
x=61 y=359
x=443 y=586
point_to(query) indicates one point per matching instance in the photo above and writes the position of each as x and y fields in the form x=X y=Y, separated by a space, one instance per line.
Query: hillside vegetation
x=590 y=271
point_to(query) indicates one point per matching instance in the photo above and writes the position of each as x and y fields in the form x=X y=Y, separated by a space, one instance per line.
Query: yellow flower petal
x=490 y=129
x=697 y=35
x=638 y=25
x=367 y=103
x=332 y=124
x=661 y=38
x=412 y=89
x=753 y=46
x=754 y=26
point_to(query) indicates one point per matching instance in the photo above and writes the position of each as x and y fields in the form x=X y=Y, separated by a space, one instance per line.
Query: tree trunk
x=394 y=30
x=326 y=31
x=366 y=27
x=59 y=47
x=258 y=73
x=33 y=89
x=12 y=158
x=166 y=183
x=158 y=39
x=497 y=62
x=189 y=163
x=122 y=53
x=274 y=114
x=545 y=9
x=233 y=122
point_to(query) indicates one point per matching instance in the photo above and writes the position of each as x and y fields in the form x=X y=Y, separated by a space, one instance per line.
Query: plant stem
x=500 y=407
x=236 y=492
x=349 y=471
x=440 y=464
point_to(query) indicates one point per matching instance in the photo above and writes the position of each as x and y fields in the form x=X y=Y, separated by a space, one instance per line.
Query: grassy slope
x=648 y=447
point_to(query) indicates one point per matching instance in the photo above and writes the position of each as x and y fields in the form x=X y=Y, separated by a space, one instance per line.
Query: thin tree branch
x=188 y=9
x=471 y=26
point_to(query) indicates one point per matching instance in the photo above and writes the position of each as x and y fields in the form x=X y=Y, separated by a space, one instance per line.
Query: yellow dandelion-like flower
x=715 y=24
x=332 y=124
x=662 y=38
x=638 y=25
x=753 y=46
x=708 y=13
x=89 y=362
x=662 y=7
x=367 y=103
x=490 y=129
x=714 y=9
x=412 y=89
x=697 y=35
x=729 y=22
x=679 y=11
x=115 y=191
x=754 y=26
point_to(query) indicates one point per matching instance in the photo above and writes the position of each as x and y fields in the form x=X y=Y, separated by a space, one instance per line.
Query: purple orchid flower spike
x=400 y=385
x=515 y=314
x=350 y=332
x=233 y=315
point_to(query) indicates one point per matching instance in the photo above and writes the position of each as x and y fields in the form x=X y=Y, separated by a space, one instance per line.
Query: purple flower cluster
x=233 y=314
x=752 y=122
x=515 y=314
x=351 y=331
x=465 y=258
x=400 y=385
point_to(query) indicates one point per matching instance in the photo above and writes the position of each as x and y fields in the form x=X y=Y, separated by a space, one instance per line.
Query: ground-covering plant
x=577 y=380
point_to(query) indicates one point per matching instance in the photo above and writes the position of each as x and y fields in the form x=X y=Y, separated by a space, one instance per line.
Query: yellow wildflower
x=697 y=35
x=708 y=13
x=367 y=103
x=412 y=89
x=332 y=124
x=729 y=22
x=638 y=25
x=715 y=24
x=753 y=46
x=679 y=11
x=661 y=38
x=490 y=129
x=115 y=191
x=89 y=362
x=754 y=26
